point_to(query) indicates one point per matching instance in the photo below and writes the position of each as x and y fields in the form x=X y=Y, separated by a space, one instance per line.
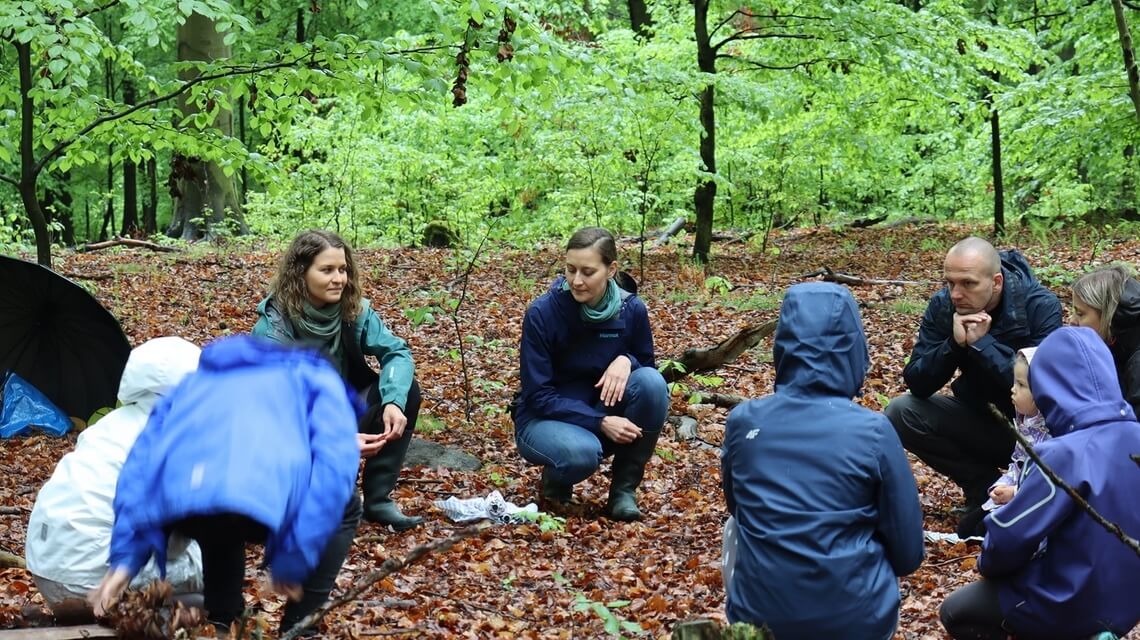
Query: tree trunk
x=704 y=197
x=639 y=19
x=150 y=208
x=203 y=193
x=1129 y=56
x=28 y=171
x=999 y=188
x=130 y=224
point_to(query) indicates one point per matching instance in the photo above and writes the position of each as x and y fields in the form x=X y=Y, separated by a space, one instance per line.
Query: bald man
x=991 y=306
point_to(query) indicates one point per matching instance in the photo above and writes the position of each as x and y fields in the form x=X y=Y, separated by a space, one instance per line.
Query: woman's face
x=326 y=278
x=1085 y=316
x=588 y=275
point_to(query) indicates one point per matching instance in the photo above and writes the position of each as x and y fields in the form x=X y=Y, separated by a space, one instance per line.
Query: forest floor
x=515 y=580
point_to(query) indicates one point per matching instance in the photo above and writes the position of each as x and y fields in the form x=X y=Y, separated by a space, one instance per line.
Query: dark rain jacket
x=825 y=503
x=1125 y=348
x=1059 y=573
x=1028 y=312
x=366 y=335
x=563 y=356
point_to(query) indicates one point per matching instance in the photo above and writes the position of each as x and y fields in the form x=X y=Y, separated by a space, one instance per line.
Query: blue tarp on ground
x=23 y=408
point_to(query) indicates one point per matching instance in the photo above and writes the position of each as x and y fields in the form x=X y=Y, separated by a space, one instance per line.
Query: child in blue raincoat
x=259 y=445
x=825 y=512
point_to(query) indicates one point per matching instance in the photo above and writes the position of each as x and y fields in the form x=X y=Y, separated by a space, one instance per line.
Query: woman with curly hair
x=315 y=300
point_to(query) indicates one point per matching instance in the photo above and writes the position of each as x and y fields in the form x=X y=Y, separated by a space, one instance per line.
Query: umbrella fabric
x=59 y=338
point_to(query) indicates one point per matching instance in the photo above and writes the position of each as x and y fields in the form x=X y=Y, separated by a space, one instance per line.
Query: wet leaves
x=518 y=581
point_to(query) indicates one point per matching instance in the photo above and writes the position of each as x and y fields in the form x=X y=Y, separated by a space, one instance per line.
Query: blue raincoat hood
x=1074 y=382
x=820 y=347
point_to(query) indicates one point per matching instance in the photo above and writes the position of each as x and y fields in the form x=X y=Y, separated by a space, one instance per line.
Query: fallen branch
x=724 y=352
x=127 y=242
x=11 y=560
x=951 y=560
x=723 y=400
x=390 y=566
x=854 y=281
x=13 y=511
x=670 y=232
x=1111 y=527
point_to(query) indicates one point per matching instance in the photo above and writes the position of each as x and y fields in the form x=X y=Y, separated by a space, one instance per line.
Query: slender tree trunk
x=28 y=172
x=150 y=207
x=130 y=224
x=704 y=197
x=995 y=152
x=203 y=192
x=639 y=19
x=1129 y=56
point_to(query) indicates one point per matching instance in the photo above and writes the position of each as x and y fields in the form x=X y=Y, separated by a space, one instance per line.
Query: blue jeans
x=573 y=453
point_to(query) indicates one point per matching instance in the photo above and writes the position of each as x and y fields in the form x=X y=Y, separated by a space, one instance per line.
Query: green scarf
x=321 y=328
x=606 y=309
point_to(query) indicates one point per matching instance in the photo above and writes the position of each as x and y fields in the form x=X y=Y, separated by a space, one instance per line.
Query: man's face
x=972 y=288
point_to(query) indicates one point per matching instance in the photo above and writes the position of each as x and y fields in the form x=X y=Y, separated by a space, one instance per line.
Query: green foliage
x=429 y=424
x=545 y=521
x=717 y=285
x=614 y=624
x=908 y=306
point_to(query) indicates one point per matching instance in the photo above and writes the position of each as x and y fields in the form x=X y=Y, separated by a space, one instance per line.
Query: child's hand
x=1002 y=494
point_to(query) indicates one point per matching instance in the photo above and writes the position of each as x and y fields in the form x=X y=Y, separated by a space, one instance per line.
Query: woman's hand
x=613 y=380
x=103 y=596
x=370 y=444
x=620 y=430
x=1002 y=494
x=394 y=422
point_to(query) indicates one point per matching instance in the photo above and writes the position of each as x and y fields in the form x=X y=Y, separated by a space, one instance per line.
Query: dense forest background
x=523 y=120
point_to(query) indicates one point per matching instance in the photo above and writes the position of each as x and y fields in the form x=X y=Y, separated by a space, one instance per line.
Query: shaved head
x=977 y=250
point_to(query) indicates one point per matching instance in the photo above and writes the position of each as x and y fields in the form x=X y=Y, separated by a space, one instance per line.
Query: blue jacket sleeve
x=537 y=375
x=935 y=356
x=900 y=514
x=133 y=538
x=335 y=458
x=641 y=336
x=1015 y=532
x=396 y=365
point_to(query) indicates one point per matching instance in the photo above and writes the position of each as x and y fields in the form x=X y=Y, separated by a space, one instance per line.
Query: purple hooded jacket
x=1060 y=574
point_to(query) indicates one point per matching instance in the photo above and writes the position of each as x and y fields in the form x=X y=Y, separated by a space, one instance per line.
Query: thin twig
x=951 y=560
x=390 y=566
x=1111 y=527
x=472 y=605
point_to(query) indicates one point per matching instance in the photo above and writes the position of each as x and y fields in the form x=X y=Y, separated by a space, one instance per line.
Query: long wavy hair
x=288 y=287
x=1100 y=289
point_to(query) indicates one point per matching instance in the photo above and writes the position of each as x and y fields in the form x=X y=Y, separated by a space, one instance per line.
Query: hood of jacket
x=1127 y=315
x=1074 y=382
x=239 y=351
x=819 y=346
x=155 y=367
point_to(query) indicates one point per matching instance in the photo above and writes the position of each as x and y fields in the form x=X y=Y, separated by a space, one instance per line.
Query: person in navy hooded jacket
x=258 y=445
x=1049 y=570
x=590 y=387
x=823 y=502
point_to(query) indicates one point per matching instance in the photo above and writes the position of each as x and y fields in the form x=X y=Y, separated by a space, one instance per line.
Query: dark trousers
x=372 y=420
x=954 y=440
x=974 y=613
x=222 y=539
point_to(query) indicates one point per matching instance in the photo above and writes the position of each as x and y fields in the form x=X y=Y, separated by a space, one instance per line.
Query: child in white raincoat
x=69 y=532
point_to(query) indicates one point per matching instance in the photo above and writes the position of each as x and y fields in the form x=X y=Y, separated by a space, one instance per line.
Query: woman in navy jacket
x=258 y=445
x=590 y=387
x=825 y=506
x=1050 y=571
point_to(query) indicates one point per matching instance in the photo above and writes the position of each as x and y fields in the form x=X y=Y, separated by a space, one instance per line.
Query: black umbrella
x=59 y=338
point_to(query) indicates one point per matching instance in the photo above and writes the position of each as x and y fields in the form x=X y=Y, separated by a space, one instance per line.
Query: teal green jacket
x=368 y=336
